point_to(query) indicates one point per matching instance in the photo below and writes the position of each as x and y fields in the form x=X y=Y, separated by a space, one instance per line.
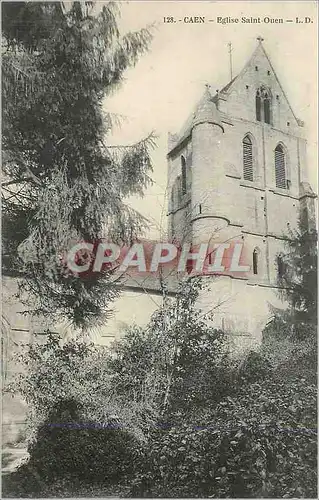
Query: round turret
x=207 y=112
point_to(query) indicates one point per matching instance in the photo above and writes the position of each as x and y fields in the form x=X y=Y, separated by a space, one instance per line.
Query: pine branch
x=147 y=141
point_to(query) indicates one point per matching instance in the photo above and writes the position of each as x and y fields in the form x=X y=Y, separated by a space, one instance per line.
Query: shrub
x=254 y=367
x=67 y=445
x=260 y=444
x=69 y=449
x=291 y=349
x=83 y=373
x=285 y=326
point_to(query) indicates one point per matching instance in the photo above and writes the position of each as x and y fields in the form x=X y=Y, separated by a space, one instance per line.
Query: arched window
x=248 y=167
x=263 y=105
x=255 y=261
x=258 y=106
x=266 y=108
x=179 y=193
x=280 y=167
x=184 y=182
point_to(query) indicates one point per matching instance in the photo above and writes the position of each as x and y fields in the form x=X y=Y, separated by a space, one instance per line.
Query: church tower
x=237 y=172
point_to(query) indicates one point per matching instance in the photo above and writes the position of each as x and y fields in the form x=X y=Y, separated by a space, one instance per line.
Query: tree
x=297 y=276
x=297 y=286
x=64 y=182
x=179 y=363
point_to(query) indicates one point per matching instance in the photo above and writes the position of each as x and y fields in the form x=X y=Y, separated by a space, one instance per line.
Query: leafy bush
x=254 y=367
x=291 y=349
x=260 y=444
x=284 y=326
x=66 y=444
x=70 y=450
x=83 y=373
x=83 y=431
x=190 y=420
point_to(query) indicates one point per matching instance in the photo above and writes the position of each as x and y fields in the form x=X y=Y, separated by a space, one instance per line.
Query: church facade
x=238 y=172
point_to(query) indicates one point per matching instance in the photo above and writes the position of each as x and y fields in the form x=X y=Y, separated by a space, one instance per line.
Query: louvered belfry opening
x=280 y=167
x=248 y=159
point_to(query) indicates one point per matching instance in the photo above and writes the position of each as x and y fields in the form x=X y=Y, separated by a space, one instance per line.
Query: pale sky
x=163 y=88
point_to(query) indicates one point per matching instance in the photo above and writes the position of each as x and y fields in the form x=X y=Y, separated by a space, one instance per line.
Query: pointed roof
x=206 y=111
x=248 y=63
x=224 y=89
x=260 y=48
x=187 y=128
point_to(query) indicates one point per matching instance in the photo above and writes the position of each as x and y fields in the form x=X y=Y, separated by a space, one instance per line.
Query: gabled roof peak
x=260 y=49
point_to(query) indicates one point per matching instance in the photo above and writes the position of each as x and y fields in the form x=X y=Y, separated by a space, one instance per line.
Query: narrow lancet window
x=263 y=105
x=255 y=261
x=258 y=106
x=266 y=109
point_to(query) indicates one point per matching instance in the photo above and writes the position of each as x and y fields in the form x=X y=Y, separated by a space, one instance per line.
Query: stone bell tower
x=237 y=172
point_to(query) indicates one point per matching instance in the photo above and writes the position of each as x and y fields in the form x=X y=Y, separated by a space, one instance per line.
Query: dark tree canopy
x=297 y=275
x=62 y=181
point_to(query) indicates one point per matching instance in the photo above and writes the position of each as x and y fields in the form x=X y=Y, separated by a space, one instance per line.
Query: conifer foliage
x=62 y=181
x=297 y=276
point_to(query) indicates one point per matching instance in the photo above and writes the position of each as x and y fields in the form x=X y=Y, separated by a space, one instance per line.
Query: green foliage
x=71 y=450
x=82 y=373
x=68 y=443
x=298 y=277
x=291 y=352
x=260 y=443
x=63 y=183
x=188 y=420
x=179 y=361
x=254 y=367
